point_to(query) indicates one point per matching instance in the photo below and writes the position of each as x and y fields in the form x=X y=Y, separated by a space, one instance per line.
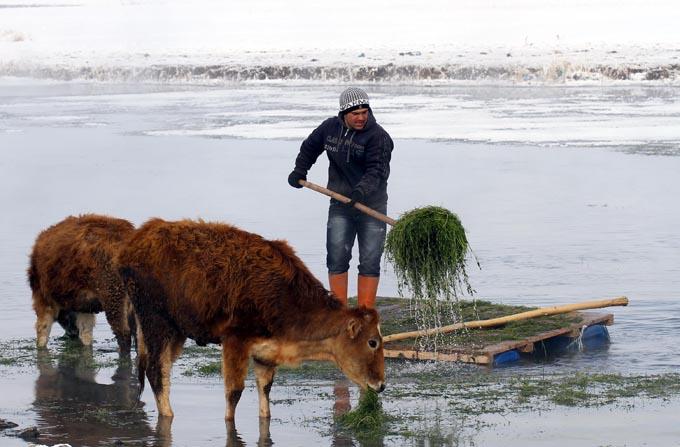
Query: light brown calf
x=215 y=283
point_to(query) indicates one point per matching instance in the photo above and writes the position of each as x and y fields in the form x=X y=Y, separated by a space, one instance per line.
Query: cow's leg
x=45 y=316
x=142 y=357
x=158 y=345
x=264 y=375
x=116 y=311
x=43 y=327
x=172 y=350
x=85 y=324
x=234 y=370
x=157 y=365
x=162 y=354
x=158 y=341
x=139 y=335
x=67 y=320
x=116 y=307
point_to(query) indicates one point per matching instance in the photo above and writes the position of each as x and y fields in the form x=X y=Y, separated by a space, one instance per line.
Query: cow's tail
x=132 y=324
x=33 y=277
x=142 y=363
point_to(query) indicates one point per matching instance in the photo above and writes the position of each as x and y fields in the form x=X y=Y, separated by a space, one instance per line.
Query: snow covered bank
x=382 y=41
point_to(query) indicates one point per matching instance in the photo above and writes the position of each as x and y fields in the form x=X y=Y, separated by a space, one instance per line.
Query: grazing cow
x=214 y=283
x=72 y=272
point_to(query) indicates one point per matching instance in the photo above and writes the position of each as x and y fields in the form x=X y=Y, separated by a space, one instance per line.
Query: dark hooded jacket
x=358 y=159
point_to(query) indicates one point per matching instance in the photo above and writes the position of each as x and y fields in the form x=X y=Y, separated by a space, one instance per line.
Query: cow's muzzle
x=379 y=388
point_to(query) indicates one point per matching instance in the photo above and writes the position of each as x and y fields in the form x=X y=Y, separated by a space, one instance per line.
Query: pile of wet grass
x=367 y=418
x=428 y=248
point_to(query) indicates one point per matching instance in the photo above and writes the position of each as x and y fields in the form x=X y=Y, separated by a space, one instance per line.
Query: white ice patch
x=12 y=36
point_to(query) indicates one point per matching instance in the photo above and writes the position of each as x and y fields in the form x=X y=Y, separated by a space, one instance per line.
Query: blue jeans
x=344 y=225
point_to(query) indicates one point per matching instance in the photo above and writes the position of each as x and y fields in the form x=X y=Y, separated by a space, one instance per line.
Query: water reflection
x=341 y=405
x=235 y=440
x=73 y=408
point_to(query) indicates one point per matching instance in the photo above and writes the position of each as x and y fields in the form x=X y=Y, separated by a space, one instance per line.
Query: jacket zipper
x=349 y=146
x=341 y=139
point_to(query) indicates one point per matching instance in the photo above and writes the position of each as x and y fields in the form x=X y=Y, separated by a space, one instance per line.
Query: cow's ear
x=353 y=328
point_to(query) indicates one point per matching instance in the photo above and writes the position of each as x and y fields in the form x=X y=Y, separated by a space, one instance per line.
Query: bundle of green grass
x=428 y=249
x=367 y=416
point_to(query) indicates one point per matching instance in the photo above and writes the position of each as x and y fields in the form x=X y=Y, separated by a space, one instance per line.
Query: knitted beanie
x=353 y=98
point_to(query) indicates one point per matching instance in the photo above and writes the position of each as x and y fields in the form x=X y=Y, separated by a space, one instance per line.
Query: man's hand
x=294 y=179
x=356 y=196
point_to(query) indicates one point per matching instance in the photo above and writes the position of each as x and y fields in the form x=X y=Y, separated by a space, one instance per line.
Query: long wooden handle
x=554 y=310
x=340 y=198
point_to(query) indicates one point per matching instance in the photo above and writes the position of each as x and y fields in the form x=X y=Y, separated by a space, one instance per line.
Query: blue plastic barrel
x=506 y=357
x=595 y=336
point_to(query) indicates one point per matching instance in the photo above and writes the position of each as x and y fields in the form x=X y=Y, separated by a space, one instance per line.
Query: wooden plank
x=413 y=354
x=485 y=355
x=529 y=347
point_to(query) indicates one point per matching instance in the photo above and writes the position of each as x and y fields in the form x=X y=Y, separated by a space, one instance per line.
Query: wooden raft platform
x=488 y=354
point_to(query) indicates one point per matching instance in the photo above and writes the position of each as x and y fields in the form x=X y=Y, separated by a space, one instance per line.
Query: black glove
x=356 y=196
x=294 y=179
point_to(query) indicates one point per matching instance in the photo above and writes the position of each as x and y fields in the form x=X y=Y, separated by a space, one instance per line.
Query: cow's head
x=359 y=349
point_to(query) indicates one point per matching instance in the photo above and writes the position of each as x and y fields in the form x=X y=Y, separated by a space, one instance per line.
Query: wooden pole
x=544 y=311
x=340 y=198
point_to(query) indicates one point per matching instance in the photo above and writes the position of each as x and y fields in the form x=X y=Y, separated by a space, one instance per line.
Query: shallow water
x=550 y=224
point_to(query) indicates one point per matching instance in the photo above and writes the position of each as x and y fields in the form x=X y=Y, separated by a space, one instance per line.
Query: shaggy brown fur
x=215 y=283
x=72 y=270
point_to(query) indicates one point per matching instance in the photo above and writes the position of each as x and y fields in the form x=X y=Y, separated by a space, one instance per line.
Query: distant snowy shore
x=514 y=41
x=491 y=65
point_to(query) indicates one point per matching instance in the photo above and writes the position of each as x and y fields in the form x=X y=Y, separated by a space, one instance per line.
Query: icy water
x=567 y=194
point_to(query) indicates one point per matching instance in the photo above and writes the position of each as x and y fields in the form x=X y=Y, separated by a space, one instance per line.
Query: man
x=359 y=152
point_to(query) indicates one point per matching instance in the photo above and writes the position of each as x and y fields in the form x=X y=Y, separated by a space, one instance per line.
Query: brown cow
x=214 y=283
x=72 y=271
